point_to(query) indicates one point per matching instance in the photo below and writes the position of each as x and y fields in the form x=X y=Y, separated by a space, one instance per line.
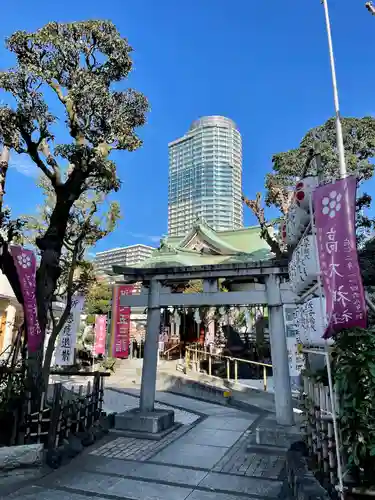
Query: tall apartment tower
x=205 y=176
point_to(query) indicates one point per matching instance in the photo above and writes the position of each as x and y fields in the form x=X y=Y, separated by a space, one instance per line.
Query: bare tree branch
x=51 y=161
x=257 y=209
x=4 y=164
x=32 y=151
x=53 y=319
x=56 y=87
x=281 y=195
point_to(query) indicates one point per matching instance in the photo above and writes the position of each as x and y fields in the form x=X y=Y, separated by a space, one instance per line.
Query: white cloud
x=149 y=237
x=24 y=165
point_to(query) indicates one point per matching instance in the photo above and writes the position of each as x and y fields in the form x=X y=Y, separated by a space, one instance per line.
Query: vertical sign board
x=100 y=334
x=334 y=208
x=68 y=335
x=120 y=322
x=295 y=358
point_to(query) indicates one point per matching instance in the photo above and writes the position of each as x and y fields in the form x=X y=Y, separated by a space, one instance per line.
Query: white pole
x=340 y=142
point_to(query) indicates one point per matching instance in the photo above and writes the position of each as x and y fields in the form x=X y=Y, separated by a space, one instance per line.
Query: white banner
x=68 y=335
x=295 y=358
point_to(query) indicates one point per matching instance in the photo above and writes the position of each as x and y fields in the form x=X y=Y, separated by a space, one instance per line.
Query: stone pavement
x=211 y=456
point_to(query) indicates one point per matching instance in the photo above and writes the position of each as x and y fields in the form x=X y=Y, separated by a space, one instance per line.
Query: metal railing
x=194 y=357
x=166 y=354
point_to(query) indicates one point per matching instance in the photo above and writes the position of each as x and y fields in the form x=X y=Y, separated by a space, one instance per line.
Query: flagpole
x=339 y=137
x=343 y=173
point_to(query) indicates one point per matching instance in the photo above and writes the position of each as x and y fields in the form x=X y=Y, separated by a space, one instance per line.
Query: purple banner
x=25 y=263
x=334 y=207
x=100 y=333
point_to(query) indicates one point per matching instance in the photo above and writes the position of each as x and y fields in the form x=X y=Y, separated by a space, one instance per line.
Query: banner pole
x=339 y=136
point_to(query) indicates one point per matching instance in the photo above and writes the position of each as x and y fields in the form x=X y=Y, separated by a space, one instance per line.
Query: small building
x=11 y=315
x=124 y=256
x=203 y=245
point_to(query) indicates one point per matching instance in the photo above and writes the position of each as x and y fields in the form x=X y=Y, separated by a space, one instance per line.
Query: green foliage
x=83 y=66
x=354 y=371
x=87 y=224
x=359 y=143
x=98 y=299
x=288 y=166
x=108 y=364
x=194 y=286
x=240 y=320
x=367 y=263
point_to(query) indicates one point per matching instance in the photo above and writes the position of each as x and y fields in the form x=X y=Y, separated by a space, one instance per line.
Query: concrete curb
x=276 y=436
x=16 y=457
x=213 y=390
x=194 y=388
x=301 y=482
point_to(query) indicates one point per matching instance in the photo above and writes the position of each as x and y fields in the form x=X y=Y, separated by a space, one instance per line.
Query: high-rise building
x=205 y=176
x=125 y=256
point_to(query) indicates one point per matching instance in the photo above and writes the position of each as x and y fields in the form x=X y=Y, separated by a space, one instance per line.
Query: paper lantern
x=282 y=231
x=303 y=268
x=304 y=190
x=310 y=321
x=299 y=211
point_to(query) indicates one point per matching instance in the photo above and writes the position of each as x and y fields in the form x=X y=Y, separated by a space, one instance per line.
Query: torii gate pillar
x=145 y=420
x=279 y=352
x=150 y=354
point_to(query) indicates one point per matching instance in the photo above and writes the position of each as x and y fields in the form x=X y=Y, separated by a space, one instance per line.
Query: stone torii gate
x=249 y=284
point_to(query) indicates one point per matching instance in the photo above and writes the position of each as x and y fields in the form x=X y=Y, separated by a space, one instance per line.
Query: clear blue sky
x=262 y=63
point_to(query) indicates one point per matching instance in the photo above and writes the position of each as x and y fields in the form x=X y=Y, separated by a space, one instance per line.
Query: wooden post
x=101 y=395
x=331 y=442
x=96 y=394
x=209 y=364
x=228 y=369
x=265 y=378
x=317 y=414
x=80 y=405
x=324 y=434
x=55 y=417
x=87 y=405
x=40 y=418
x=235 y=370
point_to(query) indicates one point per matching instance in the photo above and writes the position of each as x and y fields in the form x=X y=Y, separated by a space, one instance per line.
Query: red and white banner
x=334 y=208
x=100 y=333
x=120 y=322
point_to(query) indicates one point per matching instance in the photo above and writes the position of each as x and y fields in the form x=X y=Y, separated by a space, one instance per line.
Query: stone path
x=211 y=456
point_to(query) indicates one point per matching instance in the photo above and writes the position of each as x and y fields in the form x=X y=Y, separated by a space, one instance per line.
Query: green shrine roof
x=205 y=246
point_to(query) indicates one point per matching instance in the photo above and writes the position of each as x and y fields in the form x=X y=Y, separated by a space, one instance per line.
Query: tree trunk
x=46 y=280
x=48 y=356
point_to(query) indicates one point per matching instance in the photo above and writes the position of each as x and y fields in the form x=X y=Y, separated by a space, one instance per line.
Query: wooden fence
x=61 y=412
x=318 y=423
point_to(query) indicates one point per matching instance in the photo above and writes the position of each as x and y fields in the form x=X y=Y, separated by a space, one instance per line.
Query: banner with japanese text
x=334 y=208
x=100 y=333
x=120 y=324
x=68 y=335
x=25 y=263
